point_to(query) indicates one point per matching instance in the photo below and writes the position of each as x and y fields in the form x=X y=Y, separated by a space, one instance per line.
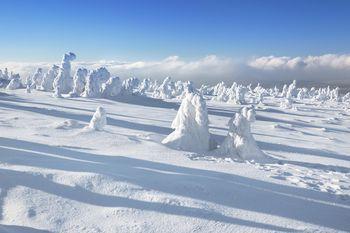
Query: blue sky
x=35 y=30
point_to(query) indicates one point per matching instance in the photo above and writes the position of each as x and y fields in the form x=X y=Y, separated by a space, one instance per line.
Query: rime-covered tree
x=63 y=83
x=99 y=119
x=191 y=126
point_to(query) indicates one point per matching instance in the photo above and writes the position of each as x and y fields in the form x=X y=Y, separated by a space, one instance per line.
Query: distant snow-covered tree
x=48 y=79
x=15 y=82
x=112 y=87
x=79 y=82
x=63 y=83
x=94 y=82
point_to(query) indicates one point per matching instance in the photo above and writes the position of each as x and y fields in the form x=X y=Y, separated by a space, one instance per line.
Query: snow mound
x=68 y=124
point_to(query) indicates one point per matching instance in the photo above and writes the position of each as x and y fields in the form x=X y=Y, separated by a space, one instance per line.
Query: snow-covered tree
x=79 y=82
x=240 y=94
x=239 y=142
x=37 y=78
x=48 y=79
x=63 y=83
x=164 y=91
x=112 y=87
x=130 y=85
x=15 y=82
x=94 y=82
x=144 y=86
x=191 y=126
x=99 y=119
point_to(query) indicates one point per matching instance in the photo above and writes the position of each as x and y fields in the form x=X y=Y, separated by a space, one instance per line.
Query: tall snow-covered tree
x=191 y=126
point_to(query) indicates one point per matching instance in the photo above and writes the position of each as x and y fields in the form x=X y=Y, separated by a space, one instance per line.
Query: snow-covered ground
x=57 y=175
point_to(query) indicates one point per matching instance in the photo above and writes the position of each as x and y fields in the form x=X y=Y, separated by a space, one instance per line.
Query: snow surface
x=56 y=176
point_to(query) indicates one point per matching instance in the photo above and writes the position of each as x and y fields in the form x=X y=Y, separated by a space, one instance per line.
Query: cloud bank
x=212 y=69
x=331 y=61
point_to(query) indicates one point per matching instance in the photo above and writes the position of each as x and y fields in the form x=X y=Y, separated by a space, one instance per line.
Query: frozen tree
x=191 y=126
x=240 y=94
x=302 y=93
x=79 y=82
x=284 y=90
x=15 y=82
x=287 y=102
x=292 y=89
x=144 y=86
x=63 y=82
x=129 y=85
x=334 y=95
x=219 y=88
x=99 y=119
x=37 y=79
x=187 y=87
x=239 y=142
x=94 y=82
x=48 y=79
x=112 y=87
x=164 y=91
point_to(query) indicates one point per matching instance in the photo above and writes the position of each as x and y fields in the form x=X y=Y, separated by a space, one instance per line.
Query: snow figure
x=112 y=87
x=94 y=82
x=79 y=80
x=37 y=79
x=129 y=85
x=164 y=91
x=239 y=142
x=63 y=82
x=48 y=79
x=191 y=126
x=99 y=119
x=15 y=82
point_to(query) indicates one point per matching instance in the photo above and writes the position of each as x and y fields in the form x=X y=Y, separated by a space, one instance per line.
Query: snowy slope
x=57 y=176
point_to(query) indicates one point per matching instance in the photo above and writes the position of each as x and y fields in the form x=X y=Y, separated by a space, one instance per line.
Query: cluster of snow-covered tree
x=100 y=83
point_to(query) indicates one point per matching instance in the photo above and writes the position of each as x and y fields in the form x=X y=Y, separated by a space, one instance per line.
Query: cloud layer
x=332 y=61
x=212 y=69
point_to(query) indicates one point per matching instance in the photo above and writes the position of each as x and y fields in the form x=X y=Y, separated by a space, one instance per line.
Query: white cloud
x=333 y=61
x=211 y=68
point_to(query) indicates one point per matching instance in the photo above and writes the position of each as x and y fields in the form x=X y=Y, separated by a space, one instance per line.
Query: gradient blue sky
x=42 y=30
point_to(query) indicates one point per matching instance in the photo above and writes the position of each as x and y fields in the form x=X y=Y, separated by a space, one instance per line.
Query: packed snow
x=84 y=151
